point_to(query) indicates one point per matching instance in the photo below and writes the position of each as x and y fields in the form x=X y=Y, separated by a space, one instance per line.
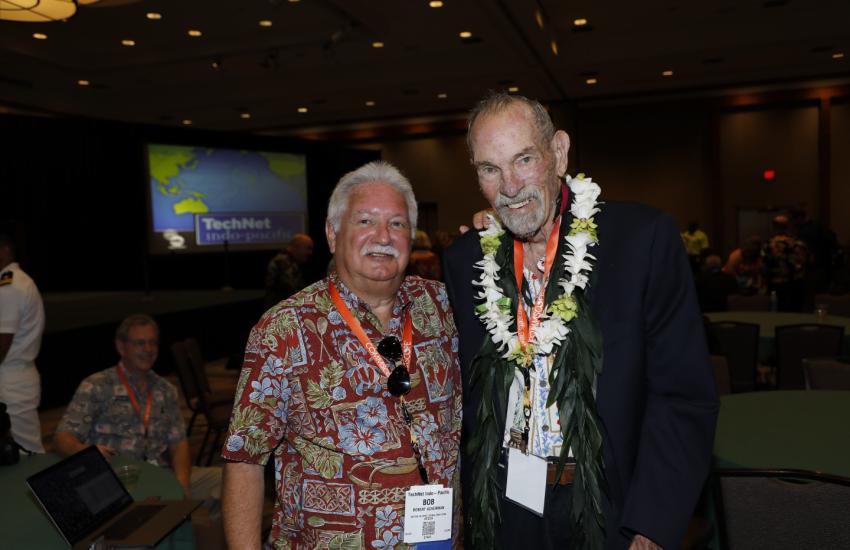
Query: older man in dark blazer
x=604 y=380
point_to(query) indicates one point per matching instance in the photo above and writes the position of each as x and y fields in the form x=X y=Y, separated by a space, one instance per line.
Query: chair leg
x=191 y=423
x=203 y=446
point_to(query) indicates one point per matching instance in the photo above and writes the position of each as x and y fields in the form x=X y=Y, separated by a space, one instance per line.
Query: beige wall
x=439 y=170
x=840 y=171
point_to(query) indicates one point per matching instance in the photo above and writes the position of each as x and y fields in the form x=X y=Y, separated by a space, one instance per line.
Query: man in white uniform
x=21 y=326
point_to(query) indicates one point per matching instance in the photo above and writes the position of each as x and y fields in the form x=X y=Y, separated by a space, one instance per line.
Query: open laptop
x=87 y=502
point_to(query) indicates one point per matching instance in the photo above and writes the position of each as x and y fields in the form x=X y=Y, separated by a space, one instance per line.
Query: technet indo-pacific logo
x=246 y=228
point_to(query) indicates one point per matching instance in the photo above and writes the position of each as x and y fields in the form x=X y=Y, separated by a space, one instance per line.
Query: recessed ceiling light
x=245 y=115
x=580 y=22
x=128 y=42
x=293 y=1
x=186 y=122
x=668 y=72
x=465 y=34
x=554 y=47
x=838 y=55
x=83 y=82
x=442 y=96
x=591 y=81
x=39 y=36
x=265 y=23
x=302 y=109
x=370 y=103
x=195 y=32
x=153 y=16
x=538 y=17
x=377 y=44
x=435 y=4
x=513 y=89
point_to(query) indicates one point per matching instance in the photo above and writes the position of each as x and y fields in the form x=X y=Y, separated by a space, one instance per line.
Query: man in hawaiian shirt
x=314 y=391
x=130 y=410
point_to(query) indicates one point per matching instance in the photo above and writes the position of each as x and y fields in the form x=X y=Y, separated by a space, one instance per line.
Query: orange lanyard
x=357 y=329
x=526 y=327
x=146 y=418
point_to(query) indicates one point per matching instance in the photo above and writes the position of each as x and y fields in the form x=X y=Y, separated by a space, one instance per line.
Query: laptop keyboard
x=132 y=520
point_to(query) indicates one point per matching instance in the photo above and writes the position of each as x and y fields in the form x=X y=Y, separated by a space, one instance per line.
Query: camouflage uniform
x=101 y=413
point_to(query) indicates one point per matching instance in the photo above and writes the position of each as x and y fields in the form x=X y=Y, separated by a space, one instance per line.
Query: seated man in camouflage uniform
x=128 y=409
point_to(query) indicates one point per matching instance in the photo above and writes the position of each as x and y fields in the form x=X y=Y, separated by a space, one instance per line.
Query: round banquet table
x=805 y=430
x=24 y=525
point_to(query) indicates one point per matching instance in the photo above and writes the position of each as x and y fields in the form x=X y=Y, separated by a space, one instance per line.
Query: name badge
x=428 y=515
x=526 y=481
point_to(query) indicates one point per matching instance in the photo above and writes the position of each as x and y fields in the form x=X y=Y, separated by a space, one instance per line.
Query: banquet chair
x=782 y=509
x=755 y=302
x=837 y=304
x=215 y=407
x=721 y=374
x=826 y=374
x=739 y=343
x=797 y=342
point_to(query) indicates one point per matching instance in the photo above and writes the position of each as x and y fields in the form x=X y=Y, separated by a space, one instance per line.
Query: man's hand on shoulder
x=640 y=542
x=479 y=220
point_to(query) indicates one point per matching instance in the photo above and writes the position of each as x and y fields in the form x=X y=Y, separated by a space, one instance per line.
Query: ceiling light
x=39 y=36
x=668 y=72
x=370 y=103
x=265 y=23
x=293 y=1
x=83 y=82
x=42 y=11
x=245 y=115
x=195 y=33
x=186 y=122
x=377 y=44
x=442 y=96
x=554 y=47
x=838 y=55
x=539 y=18
x=465 y=34
x=580 y=22
x=513 y=89
x=216 y=64
x=302 y=109
x=435 y=4
x=591 y=81
x=128 y=42
x=153 y=16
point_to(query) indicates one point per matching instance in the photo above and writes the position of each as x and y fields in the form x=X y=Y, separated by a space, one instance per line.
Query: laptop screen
x=80 y=493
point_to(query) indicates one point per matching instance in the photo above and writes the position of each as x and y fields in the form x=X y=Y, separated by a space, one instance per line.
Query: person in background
x=21 y=327
x=696 y=242
x=316 y=395
x=284 y=275
x=784 y=258
x=713 y=285
x=423 y=261
x=746 y=266
x=605 y=391
x=128 y=409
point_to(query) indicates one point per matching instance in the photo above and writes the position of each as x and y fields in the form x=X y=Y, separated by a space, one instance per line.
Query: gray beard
x=523 y=226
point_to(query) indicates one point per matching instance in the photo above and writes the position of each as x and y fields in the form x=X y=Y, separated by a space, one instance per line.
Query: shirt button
x=542 y=383
x=545 y=427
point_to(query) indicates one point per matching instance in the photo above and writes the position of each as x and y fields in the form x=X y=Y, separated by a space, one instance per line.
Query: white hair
x=375 y=171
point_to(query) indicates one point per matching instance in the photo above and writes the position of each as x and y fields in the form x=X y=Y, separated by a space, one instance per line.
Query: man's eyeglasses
x=398 y=382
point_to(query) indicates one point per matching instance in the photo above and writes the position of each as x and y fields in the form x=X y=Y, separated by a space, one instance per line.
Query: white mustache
x=379 y=249
x=524 y=194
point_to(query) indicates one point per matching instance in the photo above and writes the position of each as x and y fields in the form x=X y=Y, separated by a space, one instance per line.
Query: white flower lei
x=495 y=312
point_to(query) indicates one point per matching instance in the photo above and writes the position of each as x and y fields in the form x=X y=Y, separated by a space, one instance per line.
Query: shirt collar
x=403 y=301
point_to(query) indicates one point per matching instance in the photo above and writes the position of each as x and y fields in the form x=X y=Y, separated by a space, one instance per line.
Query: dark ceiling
x=319 y=55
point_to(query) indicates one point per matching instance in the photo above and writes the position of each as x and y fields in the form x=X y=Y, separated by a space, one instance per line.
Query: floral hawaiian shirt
x=310 y=394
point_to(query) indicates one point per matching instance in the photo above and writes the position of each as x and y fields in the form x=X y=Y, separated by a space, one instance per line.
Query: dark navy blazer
x=656 y=395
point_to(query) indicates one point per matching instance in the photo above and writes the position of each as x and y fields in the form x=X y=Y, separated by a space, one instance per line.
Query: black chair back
x=739 y=343
x=827 y=374
x=721 y=374
x=797 y=342
x=782 y=509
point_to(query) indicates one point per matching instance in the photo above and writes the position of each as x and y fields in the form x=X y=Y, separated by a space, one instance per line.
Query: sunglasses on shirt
x=398 y=383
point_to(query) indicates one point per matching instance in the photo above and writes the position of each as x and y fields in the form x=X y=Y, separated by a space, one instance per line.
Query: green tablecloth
x=806 y=430
x=769 y=320
x=25 y=526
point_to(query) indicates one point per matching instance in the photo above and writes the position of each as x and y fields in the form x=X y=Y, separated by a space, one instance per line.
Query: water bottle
x=773 y=301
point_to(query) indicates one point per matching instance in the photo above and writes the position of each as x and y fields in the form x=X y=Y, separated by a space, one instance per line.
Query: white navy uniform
x=22 y=315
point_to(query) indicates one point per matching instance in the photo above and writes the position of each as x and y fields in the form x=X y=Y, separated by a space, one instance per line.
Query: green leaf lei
x=577 y=363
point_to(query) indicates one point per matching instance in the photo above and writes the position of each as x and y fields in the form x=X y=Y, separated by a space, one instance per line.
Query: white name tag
x=427 y=514
x=526 y=482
